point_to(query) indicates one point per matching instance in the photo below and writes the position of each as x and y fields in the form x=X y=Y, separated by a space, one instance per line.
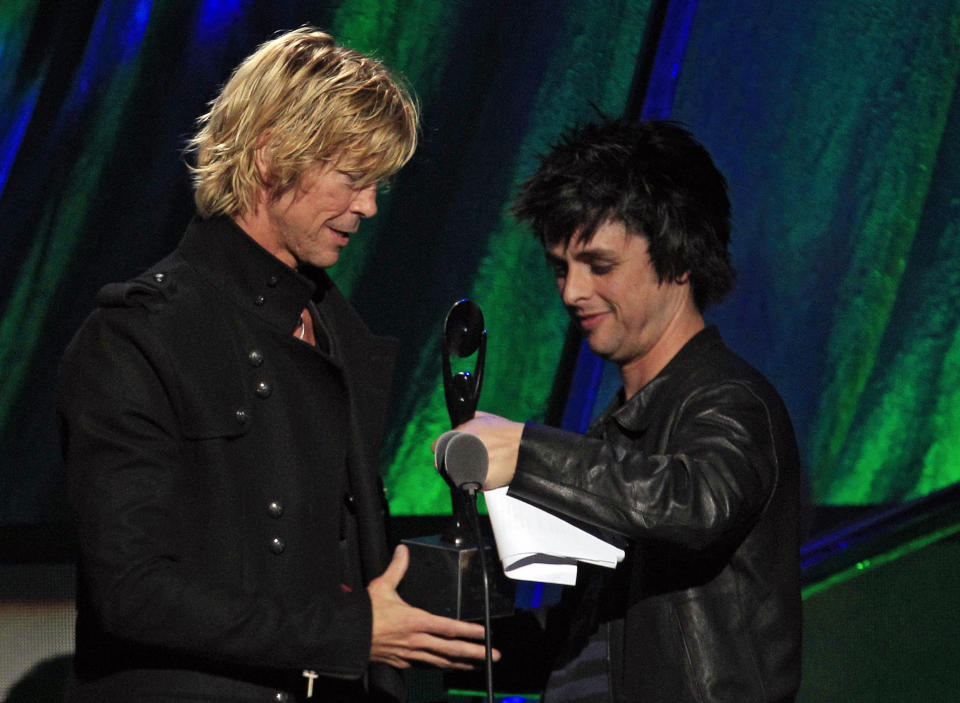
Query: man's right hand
x=403 y=634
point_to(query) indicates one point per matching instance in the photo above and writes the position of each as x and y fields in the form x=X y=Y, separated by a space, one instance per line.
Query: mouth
x=589 y=321
x=342 y=236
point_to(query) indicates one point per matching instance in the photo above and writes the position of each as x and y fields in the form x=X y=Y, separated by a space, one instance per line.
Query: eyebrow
x=586 y=256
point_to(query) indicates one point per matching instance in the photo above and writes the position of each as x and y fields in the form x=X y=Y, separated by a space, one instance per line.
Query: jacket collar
x=632 y=415
x=248 y=274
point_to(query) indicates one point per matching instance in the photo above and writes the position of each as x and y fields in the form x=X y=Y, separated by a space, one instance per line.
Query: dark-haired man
x=694 y=462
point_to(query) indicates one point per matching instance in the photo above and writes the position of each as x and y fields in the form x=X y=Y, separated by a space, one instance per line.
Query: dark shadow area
x=43 y=683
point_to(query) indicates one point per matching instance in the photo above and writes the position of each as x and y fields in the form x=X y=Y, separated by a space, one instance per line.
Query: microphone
x=440 y=452
x=466 y=461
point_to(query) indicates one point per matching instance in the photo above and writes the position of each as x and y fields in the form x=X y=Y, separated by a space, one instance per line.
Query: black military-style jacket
x=699 y=472
x=223 y=475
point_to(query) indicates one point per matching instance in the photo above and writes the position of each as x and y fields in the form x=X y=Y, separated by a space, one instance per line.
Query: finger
x=428 y=624
x=440 y=662
x=450 y=628
x=444 y=661
x=395 y=571
x=397 y=662
x=450 y=649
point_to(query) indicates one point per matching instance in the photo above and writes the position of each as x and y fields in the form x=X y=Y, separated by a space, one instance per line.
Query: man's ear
x=261 y=159
x=683 y=278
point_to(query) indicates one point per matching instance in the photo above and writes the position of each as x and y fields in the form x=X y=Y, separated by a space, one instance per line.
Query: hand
x=501 y=437
x=403 y=634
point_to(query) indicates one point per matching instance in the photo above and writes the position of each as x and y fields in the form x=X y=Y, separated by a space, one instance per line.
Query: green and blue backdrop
x=836 y=123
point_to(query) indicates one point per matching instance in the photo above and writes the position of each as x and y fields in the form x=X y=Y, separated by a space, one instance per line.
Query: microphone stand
x=464 y=461
x=487 y=630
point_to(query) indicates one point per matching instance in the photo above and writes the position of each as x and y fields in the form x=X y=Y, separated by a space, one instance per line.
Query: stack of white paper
x=535 y=545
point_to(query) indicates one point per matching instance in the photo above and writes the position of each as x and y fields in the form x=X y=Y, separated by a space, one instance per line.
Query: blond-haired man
x=221 y=416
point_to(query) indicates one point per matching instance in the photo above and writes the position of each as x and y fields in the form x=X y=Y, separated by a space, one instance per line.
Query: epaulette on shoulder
x=148 y=290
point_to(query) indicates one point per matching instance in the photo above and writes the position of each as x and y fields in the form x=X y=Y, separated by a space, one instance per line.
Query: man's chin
x=325 y=260
x=596 y=348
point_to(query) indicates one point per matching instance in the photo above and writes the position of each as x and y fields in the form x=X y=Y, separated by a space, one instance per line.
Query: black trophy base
x=447 y=580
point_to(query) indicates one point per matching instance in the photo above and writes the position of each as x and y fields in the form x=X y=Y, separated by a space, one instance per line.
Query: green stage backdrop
x=835 y=122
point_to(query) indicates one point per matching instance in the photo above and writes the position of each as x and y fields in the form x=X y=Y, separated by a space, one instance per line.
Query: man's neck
x=639 y=372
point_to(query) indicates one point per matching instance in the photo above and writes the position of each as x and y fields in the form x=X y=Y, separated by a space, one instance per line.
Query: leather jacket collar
x=633 y=416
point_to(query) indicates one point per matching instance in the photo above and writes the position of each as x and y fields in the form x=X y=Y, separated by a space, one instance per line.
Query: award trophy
x=444 y=576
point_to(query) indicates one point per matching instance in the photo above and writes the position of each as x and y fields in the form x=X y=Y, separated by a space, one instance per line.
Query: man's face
x=610 y=288
x=312 y=223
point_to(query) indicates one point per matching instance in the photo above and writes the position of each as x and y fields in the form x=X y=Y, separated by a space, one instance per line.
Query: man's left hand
x=403 y=634
x=501 y=437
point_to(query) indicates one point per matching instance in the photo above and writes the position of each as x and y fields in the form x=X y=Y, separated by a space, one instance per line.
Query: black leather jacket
x=699 y=472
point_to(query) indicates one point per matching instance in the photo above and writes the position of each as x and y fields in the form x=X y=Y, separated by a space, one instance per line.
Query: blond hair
x=306 y=101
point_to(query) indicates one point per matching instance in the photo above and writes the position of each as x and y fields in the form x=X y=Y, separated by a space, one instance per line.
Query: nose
x=575 y=286
x=365 y=201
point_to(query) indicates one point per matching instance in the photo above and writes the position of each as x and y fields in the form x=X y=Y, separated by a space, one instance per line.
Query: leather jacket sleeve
x=693 y=471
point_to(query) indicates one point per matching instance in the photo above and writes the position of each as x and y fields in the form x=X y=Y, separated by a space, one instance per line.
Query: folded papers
x=535 y=545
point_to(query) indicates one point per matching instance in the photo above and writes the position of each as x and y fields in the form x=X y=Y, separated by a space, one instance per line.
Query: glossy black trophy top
x=463 y=335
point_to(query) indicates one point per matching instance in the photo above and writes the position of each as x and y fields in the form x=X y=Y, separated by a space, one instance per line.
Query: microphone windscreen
x=466 y=460
x=441 y=449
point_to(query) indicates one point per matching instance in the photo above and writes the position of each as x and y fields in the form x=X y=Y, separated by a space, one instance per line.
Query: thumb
x=397 y=568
